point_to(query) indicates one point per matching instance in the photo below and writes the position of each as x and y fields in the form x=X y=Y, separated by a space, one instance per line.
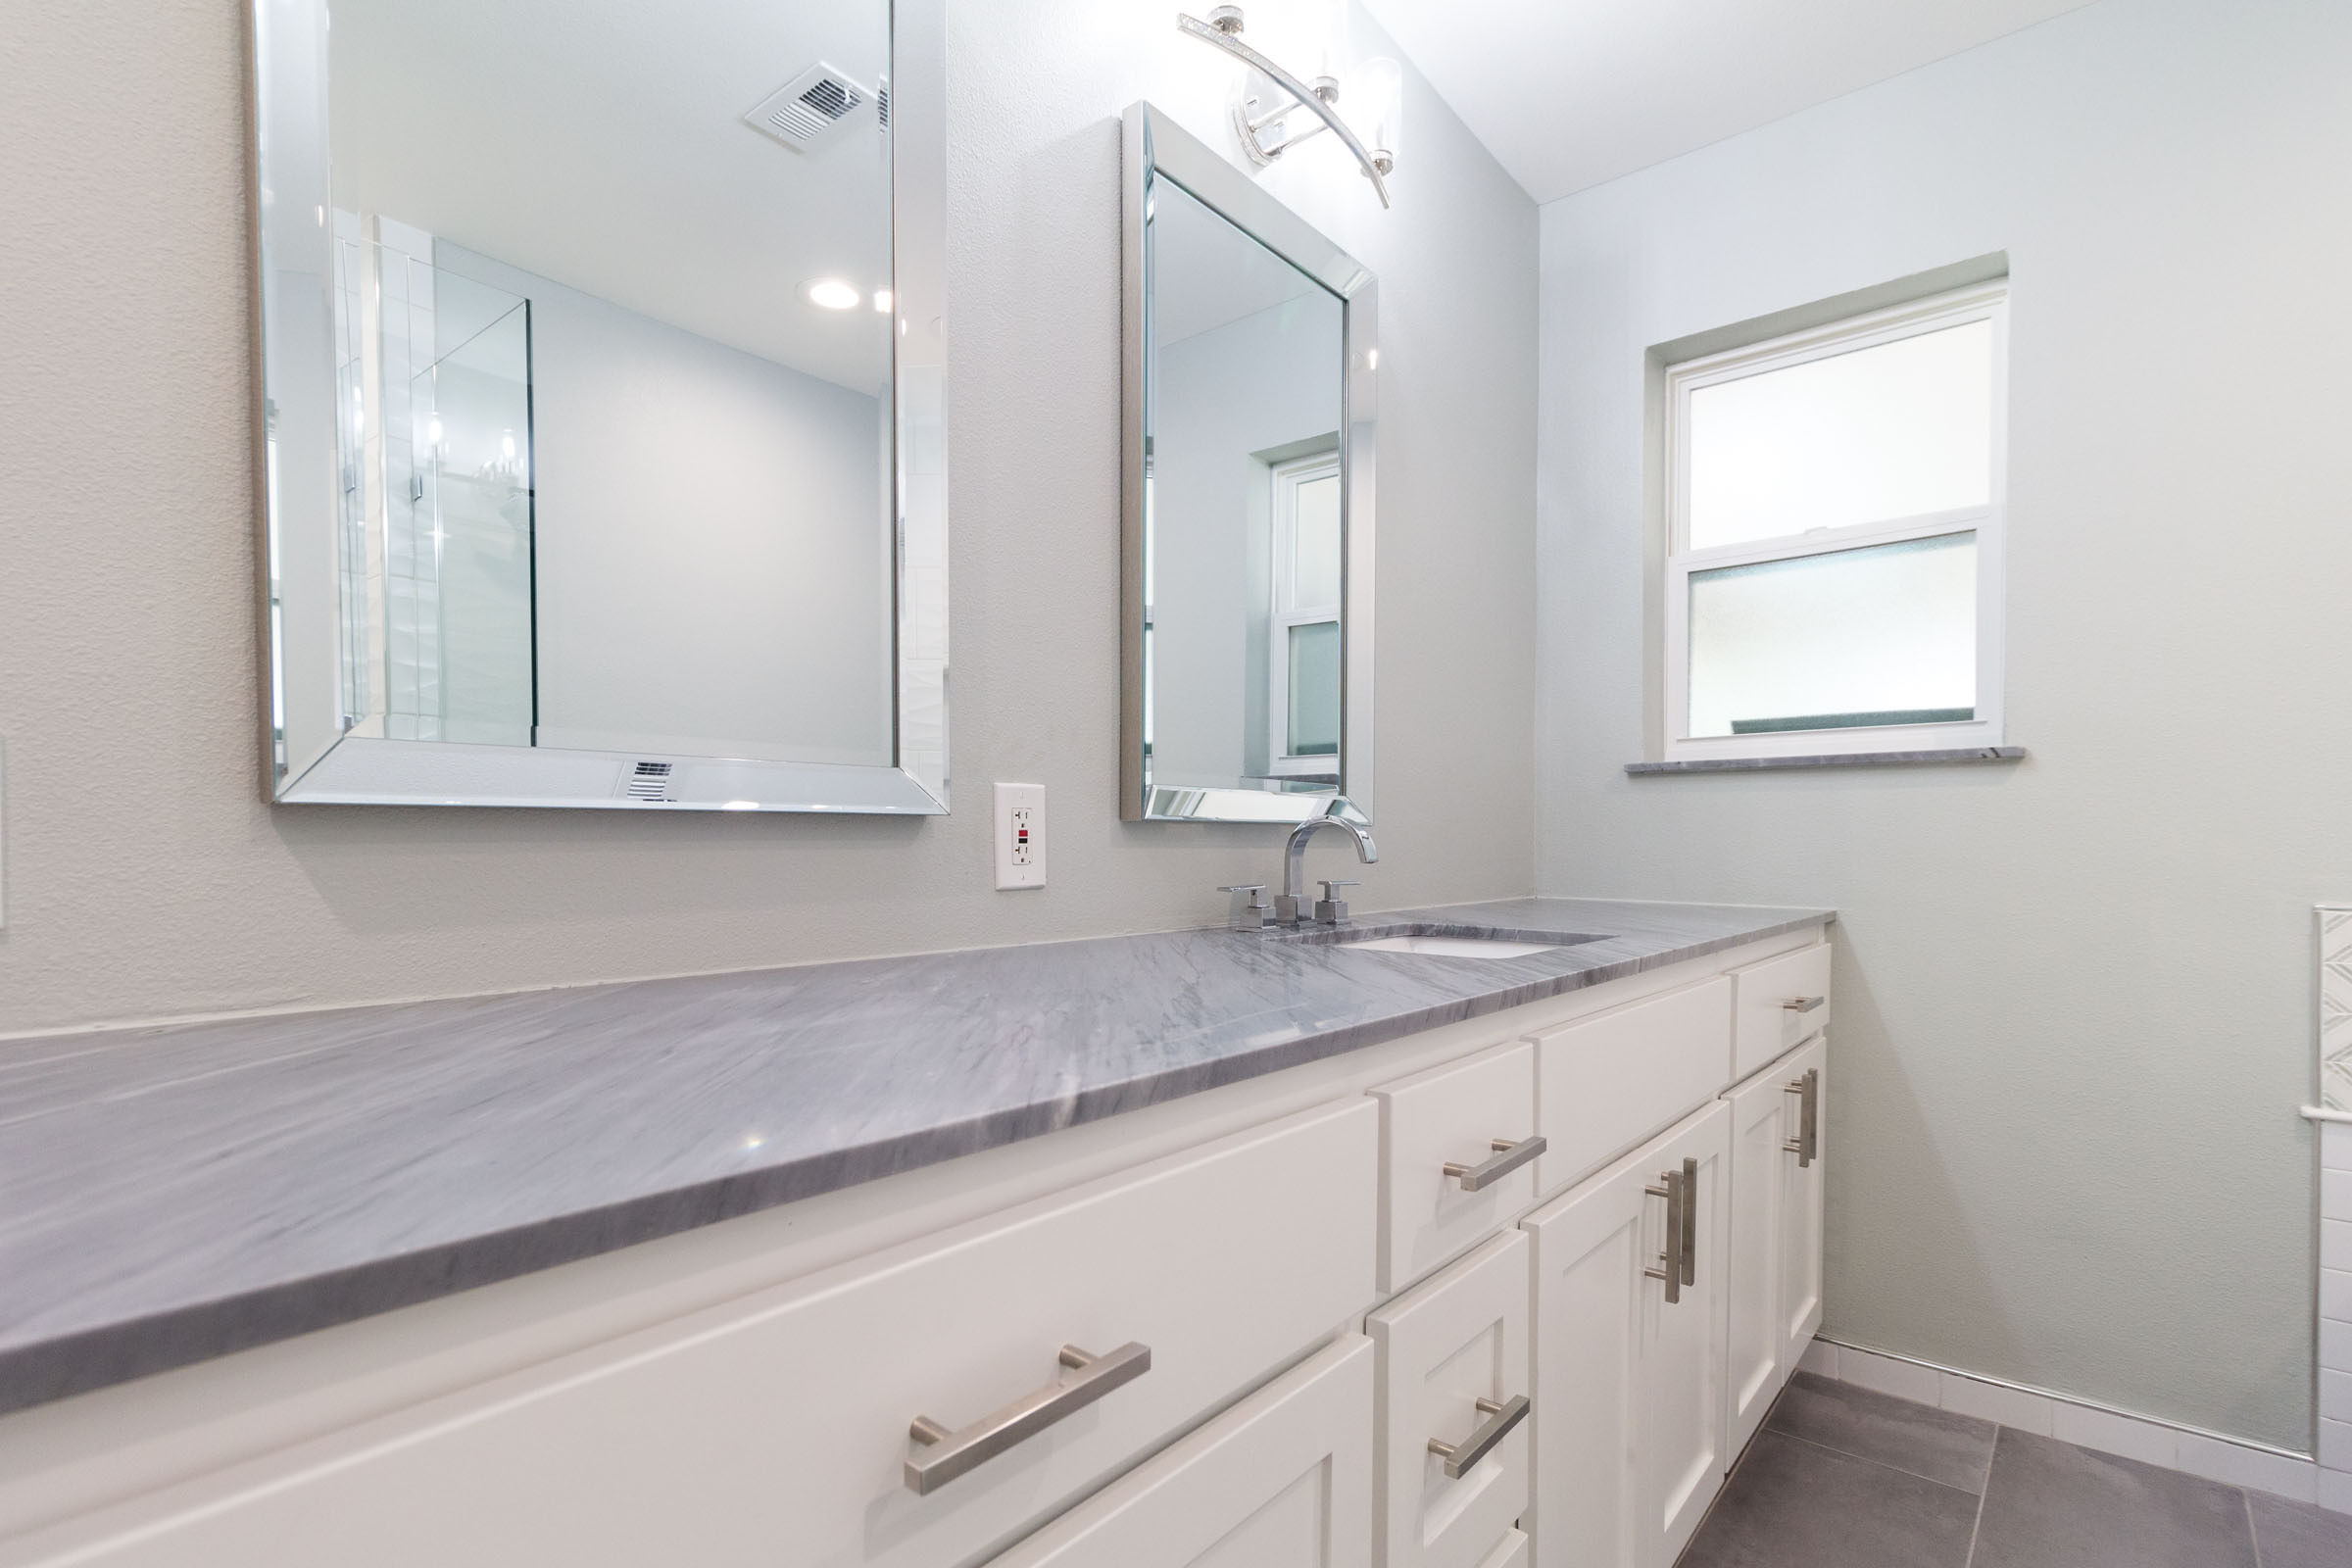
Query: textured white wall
x=145 y=876
x=2074 y=1015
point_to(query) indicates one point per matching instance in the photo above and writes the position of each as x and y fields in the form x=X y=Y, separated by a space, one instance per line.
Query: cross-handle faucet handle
x=1331 y=908
x=1247 y=913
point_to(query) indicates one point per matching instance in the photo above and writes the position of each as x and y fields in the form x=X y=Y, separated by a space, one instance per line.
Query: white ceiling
x=1569 y=93
x=601 y=143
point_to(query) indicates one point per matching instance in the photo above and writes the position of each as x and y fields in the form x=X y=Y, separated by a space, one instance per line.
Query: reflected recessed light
x=739 y=806
x=830 y=294
x=882 y=301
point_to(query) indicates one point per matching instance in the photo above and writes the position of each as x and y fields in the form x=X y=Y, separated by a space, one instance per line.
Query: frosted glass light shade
x=1384 y=104
x=1884 y=634
x=1901 y=430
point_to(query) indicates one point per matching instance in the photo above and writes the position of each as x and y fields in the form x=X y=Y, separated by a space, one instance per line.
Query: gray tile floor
x=1841 y=1476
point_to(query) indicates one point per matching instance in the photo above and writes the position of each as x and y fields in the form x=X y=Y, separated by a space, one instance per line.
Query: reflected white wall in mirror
x=605 y=447
x=1250 y=498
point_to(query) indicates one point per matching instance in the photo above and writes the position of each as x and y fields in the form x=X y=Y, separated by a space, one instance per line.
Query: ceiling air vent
x=650 y=782
x=810 y=108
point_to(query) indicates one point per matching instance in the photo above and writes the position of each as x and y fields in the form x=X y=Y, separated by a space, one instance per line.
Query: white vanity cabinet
x=1511 y=1292
x=1283 y=1480
x=1629 y=1354
x=1774 y=1291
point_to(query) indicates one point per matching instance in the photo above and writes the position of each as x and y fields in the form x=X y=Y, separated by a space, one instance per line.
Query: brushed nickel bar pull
x=1804 y=1003
x=1669 y=1267
x=1807 y=1144
x=1508 y=1157
x=1689 y=1239
x=947 y=1454
x=1500 y=1419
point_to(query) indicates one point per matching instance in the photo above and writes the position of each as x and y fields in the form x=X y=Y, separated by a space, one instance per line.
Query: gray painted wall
x=1268 y=381
x=712 y=549
x=2073 y=1017
x=146 y=878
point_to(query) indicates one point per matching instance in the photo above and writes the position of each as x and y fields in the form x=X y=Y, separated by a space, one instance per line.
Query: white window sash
x=1286 y=478
x=1986 y=302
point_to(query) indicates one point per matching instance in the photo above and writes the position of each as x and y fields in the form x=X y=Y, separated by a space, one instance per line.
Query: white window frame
x=1987 y=303
x=1288 y=478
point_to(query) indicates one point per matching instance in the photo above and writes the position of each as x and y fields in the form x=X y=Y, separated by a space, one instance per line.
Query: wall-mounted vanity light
x=1264 y=128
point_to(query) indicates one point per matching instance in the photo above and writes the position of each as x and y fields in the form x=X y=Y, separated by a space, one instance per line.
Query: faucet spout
x=1292 y=905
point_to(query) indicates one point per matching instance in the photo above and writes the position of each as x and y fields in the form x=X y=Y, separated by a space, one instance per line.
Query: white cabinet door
x=1282 y=1480
x=1453 y=1369
x=1772 y=1281
x=1682 y=1459
x=1802 y=1208
x=776 y=1430
x=1630 y=1385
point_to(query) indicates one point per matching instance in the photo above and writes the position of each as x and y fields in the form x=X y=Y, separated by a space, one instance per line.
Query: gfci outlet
x=1020 y=836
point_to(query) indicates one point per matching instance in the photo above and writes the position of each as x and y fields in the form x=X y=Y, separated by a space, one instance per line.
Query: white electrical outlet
x=1020 y=836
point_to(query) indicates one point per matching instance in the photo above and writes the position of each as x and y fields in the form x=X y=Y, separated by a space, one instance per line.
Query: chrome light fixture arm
x=1309 y=98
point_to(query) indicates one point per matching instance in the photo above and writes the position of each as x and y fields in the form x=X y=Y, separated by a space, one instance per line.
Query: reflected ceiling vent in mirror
x=808 y=110
x=650 y=782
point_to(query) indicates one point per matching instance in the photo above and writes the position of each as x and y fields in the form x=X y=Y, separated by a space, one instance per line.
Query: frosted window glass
x=1880 y=635
x=1315 y=571
x=1898 y=430
x=1315 y=689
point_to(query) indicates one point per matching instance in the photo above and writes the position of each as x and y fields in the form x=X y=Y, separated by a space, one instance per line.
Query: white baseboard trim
x=2168 y=1443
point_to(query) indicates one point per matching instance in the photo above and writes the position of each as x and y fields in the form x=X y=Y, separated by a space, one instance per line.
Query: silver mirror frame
x=318 y=761
x=1152 y=142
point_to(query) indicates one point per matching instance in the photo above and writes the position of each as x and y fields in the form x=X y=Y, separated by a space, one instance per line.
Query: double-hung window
x=1303 y=700
x=1833 y=555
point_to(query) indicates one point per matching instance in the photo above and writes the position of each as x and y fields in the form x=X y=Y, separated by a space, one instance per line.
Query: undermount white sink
x=1452 y=946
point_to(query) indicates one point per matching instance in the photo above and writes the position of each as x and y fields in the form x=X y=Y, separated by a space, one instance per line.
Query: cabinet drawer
x=1283 y=1480
x=1606 y=1083
x=1456 y=1115
x=774 y=1430
x=1457 y=1340
x=1772 y=1014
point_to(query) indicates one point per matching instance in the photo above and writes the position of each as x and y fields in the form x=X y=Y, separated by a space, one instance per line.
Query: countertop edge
x=80 y=1361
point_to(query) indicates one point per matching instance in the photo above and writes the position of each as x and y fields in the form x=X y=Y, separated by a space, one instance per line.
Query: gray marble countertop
x=172 y=1194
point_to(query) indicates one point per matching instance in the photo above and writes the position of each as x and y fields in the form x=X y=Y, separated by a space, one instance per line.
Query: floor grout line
x=2253 y=1535
x=1978 y=1528
x=1864 y=1459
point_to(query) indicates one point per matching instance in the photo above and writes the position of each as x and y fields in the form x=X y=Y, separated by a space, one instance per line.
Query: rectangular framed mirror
x=603 y=403
x=1251 y=352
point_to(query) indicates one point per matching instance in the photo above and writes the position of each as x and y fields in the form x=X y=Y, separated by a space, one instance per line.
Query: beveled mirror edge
x=1150 y=139
x=356 y=770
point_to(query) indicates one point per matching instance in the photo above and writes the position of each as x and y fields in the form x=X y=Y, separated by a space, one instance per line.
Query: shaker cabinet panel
x=776 y=1430
x=1474 y=1116
x=1606 y=1083
x=1781 y=1003
x=1628 y=1316
x=1774 y=1279
x=1283 y=1480
x=1453 y=1396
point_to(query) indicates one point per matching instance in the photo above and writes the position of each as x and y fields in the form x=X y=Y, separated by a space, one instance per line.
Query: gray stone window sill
x=1760 y=764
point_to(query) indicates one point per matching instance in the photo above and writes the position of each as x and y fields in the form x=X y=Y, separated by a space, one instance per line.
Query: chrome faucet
x=1291 y=904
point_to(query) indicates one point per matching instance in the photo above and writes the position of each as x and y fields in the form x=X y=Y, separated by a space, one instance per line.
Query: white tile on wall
x=2335 y=1490
x=2335 y=1293
x=2149 y=1441
x=2335 y=1007
x=2336 y=1195
x=1995 y=1402
x=1905 y=1380
x=2335 y=1145
x=2241 y=1466
x=2336 y=1243
x=2335 y=1444
x=1820 y=1357
x=2335 y=1395
x=2336 y=1343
